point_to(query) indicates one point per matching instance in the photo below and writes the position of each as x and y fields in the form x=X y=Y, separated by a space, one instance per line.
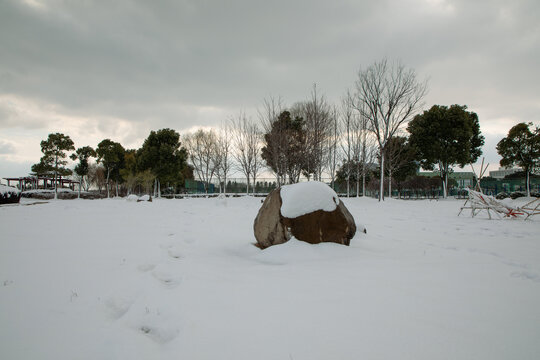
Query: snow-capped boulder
x=9 y=195
x=309 y=211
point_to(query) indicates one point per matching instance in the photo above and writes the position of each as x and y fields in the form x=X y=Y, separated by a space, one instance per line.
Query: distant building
x=464 y=179
x=502 y=172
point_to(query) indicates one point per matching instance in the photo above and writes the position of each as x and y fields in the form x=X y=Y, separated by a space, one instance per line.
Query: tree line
x=160 y=160
x=375 y=132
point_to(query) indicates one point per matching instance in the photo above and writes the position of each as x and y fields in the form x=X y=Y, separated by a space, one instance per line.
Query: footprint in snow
x=156 y=321
x=167 y=279
x=175 y=254
x=117 y=306
x=159 y=334
x=146 y=267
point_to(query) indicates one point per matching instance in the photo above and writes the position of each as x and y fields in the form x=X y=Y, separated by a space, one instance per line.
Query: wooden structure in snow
x=36 y=182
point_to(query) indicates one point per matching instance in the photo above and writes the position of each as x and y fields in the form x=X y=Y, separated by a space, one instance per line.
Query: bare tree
x=96 y=176
x=347 y=125
x=400 y=159
x=394 y=160
x=223 y=153
x=388 y=95
x=247 y=147
x=317 y=115
x=331 y=146
x=202 y=149
x=256 y=145
x=367 y=148
x=358 y=146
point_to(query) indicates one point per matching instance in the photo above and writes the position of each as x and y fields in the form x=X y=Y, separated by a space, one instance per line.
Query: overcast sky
x=118 y=69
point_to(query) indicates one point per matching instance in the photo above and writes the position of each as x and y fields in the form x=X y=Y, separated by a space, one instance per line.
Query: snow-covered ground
x=179 y=279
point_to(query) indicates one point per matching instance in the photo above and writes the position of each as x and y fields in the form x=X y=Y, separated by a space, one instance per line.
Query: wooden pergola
x=38 y=182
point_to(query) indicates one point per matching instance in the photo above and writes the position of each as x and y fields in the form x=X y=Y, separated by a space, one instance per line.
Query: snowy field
x=180 y=279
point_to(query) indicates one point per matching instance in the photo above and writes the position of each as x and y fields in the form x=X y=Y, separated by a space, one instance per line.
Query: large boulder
x=309 y=211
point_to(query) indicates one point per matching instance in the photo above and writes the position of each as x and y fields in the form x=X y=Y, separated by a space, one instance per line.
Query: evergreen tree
x=54 y=152
x=284 y=150
x=129 y=170
x=111 y=155
x=522 y=148
x=82 y=168
x=445 y=136
x=44 y=167
x=163 y=154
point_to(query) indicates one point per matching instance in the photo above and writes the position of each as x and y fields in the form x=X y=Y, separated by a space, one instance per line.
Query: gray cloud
x=160 y=64
x=6 y=148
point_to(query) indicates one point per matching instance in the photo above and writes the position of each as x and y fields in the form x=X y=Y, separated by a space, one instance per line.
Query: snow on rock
x=145 y=198
x=304 y=198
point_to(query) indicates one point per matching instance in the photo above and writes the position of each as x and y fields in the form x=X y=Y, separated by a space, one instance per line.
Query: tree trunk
x=445 y=190
x=55 y=186
x=108 y=193
x=528 y=183
x=381 y=187
x=363 y=183
x=390 y=184
x=55 y=178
